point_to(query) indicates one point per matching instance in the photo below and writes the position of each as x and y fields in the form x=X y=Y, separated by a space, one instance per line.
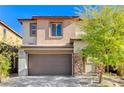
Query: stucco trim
x=47 y=48
x=37 y=46
x=74 y=39
x=49 y=51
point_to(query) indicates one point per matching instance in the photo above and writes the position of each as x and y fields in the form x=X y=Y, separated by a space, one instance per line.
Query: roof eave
x=10 y=29
x=49 y=17
x=21 y=20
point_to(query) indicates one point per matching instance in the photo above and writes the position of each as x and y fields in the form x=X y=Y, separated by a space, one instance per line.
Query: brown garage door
x=50 y=64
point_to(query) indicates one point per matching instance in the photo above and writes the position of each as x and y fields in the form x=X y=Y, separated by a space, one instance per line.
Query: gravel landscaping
x=113 y=81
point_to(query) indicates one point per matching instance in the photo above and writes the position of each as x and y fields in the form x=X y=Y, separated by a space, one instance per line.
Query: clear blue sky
x=10 y=14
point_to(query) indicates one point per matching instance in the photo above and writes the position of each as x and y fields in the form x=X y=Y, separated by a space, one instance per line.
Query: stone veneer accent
x=77 y=64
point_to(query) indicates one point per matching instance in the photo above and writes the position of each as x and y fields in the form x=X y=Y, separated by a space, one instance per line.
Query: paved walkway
x=49 y=81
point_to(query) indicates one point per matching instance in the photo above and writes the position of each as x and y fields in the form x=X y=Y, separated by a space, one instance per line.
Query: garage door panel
x=48 y=64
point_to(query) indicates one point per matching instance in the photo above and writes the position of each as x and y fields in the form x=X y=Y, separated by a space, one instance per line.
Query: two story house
x=50 y=46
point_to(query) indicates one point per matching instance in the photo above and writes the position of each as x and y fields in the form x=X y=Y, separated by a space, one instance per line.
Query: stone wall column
x=23 y=63
x=77 y=64
x=77 y=59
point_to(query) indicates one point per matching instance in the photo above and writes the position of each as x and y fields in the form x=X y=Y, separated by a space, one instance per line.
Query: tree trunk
x=107 y=68
x=120 y=70
x=100 y=70
x=0 y=76
x=84 y=64
x=0 y=73
x=0 y=79
x=100 y=77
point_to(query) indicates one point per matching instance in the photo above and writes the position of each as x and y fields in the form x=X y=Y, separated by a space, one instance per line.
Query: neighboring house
x=8 y=35
x=50 y=46
x=11 y=38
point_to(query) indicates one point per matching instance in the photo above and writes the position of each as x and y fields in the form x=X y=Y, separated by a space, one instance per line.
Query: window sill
x=55 y=37
x=32 y=35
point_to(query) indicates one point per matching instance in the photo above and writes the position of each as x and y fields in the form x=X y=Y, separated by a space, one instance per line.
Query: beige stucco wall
x=78 y=45
x=11 y=38
x=43 y=37
x=1 y=30
x=27 y=39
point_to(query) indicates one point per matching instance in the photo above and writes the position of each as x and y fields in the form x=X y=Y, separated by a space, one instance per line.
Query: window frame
x=50 y=30
x=4 y=34
x=31 y=29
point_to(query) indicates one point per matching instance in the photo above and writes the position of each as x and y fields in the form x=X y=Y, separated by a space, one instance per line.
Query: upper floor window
x=4 y=34
x=56 y=29
x=33 y=29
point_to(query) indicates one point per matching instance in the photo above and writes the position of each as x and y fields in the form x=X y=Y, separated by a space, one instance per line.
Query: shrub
x=5 y=65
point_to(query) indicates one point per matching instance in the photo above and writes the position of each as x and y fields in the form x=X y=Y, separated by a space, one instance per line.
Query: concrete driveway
x=49 y=81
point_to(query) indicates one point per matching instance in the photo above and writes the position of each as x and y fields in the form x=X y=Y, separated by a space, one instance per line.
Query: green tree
x=104 y=34
x=5 y=64
x=7 y=51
